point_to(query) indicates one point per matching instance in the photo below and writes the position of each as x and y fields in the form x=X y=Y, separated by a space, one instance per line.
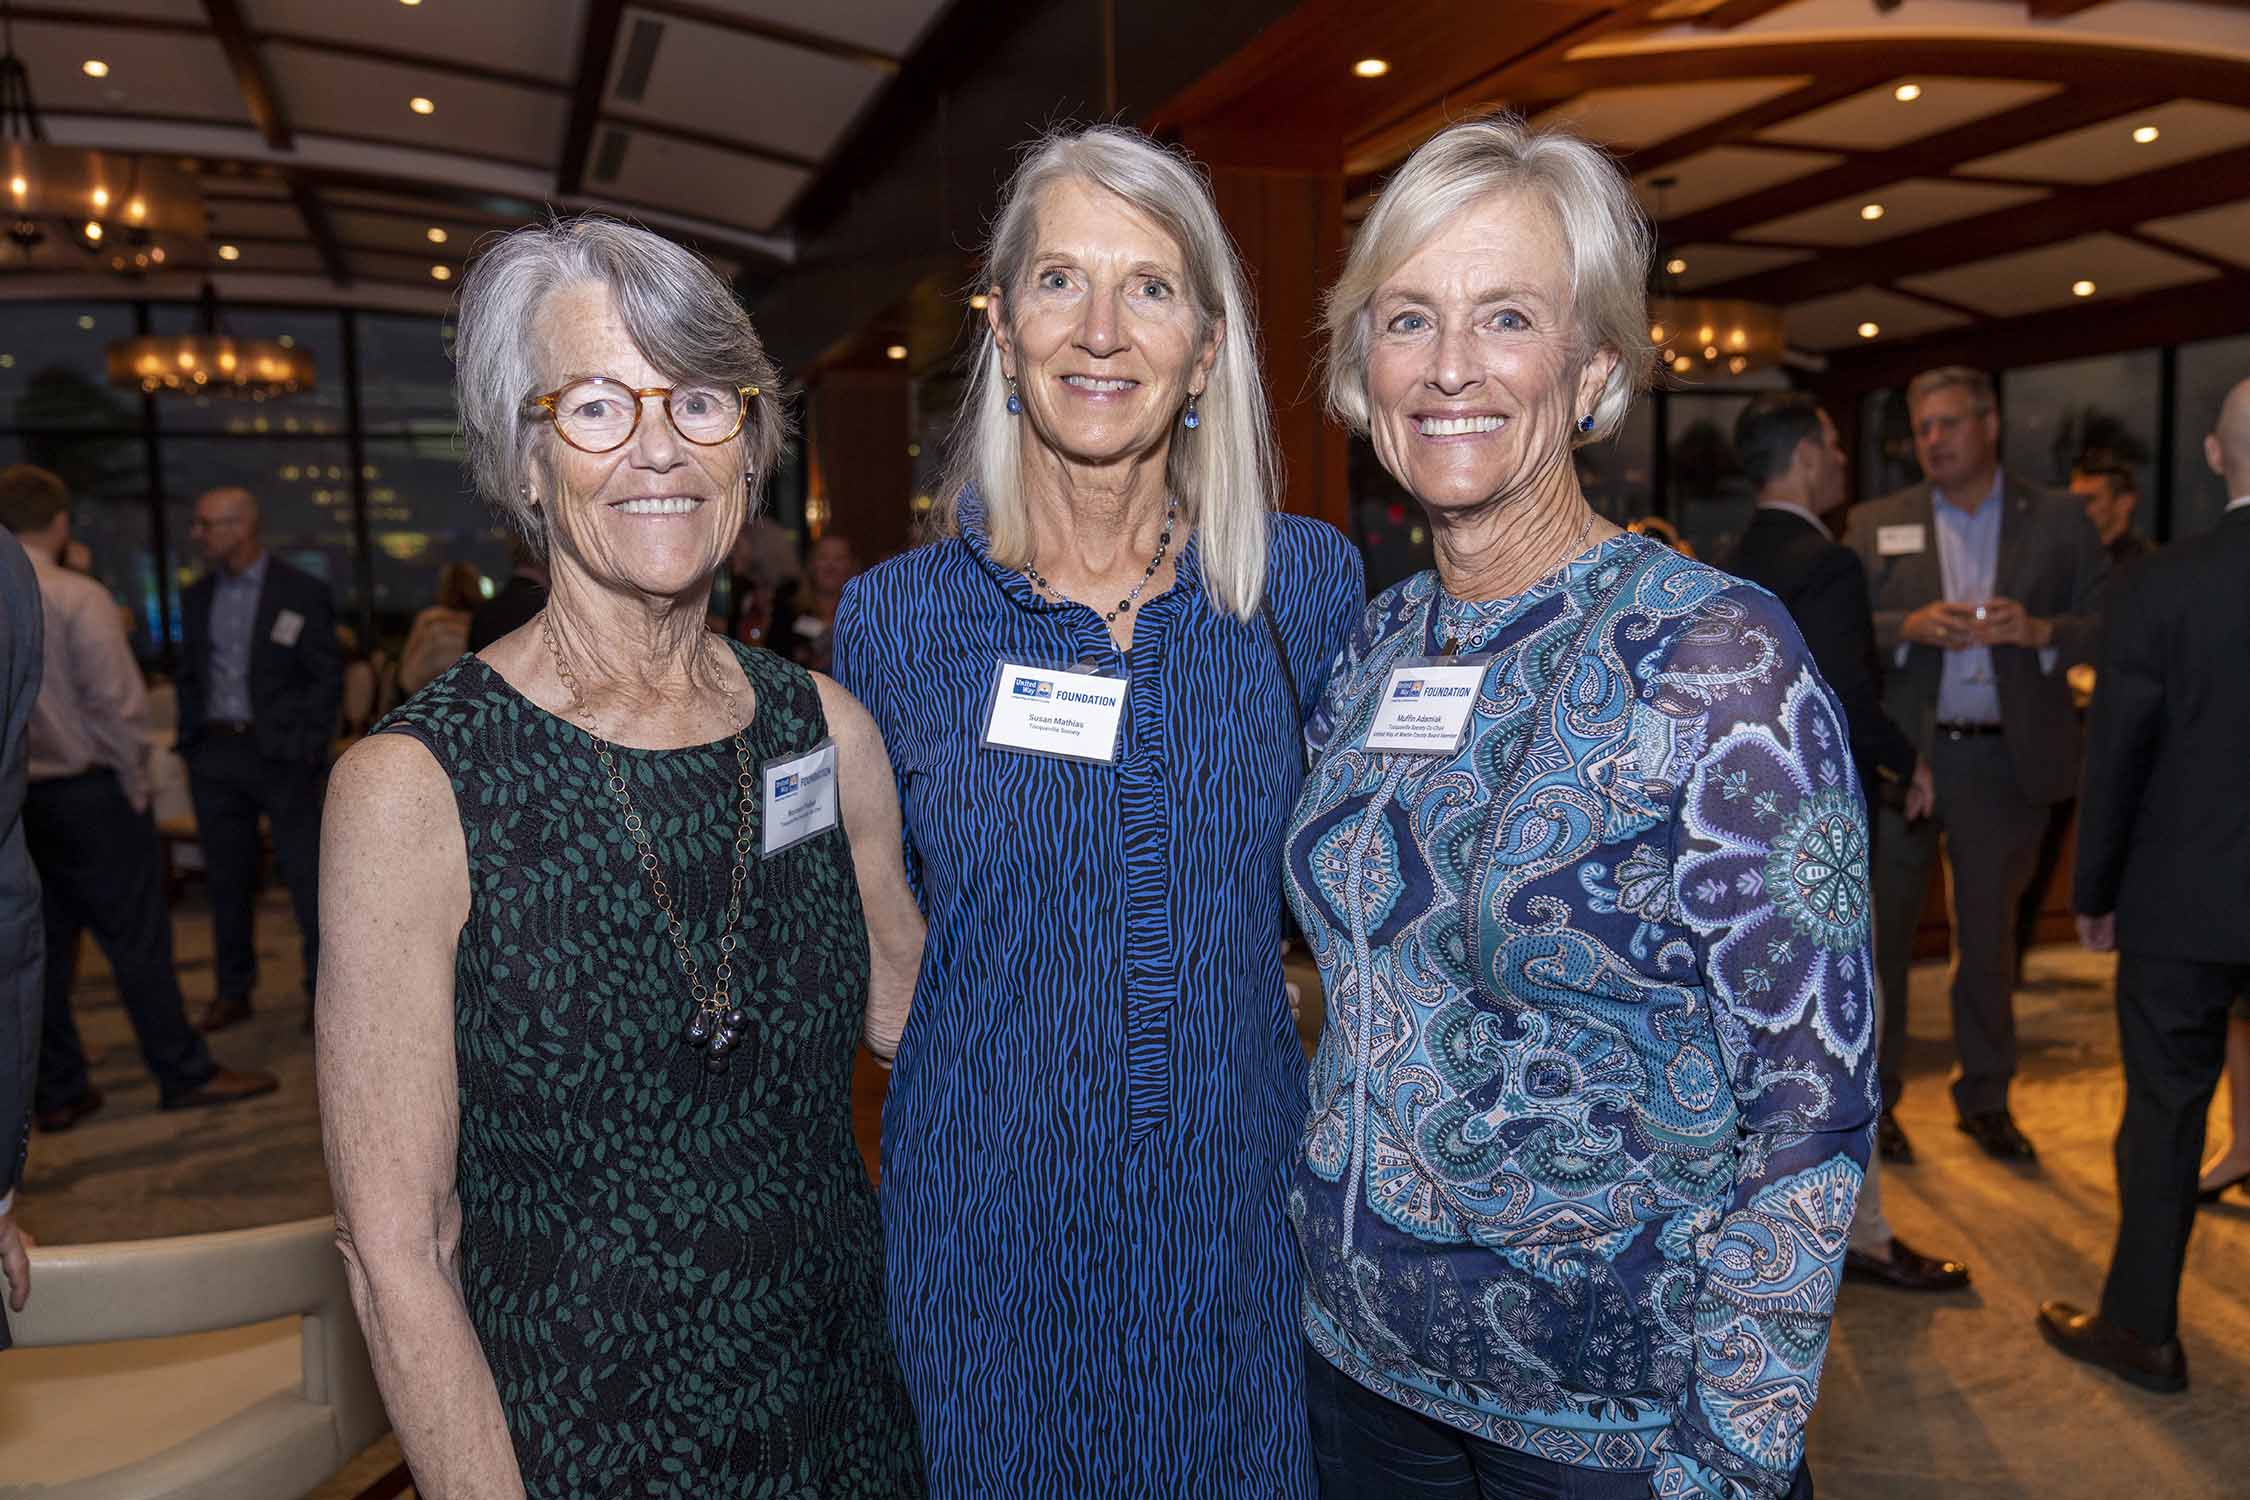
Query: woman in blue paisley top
x=1593 y=1098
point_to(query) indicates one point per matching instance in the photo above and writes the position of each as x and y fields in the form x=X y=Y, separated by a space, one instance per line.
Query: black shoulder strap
x=1288 y=676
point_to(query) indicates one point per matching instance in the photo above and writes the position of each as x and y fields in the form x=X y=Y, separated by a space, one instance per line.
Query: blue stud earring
x=1586 y=423
x=1191 y=421
x=1015 y=402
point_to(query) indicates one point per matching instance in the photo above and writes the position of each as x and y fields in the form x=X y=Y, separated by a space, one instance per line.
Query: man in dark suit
x=261 y=683
x=1986 y=592
x=1788 y=448
x=22 y=936
x=2163 y=877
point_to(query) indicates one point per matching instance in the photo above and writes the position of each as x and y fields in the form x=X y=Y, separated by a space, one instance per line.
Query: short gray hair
x=1953 y=377
x=1459 y=168
x=679 y=314
x=1226 y=472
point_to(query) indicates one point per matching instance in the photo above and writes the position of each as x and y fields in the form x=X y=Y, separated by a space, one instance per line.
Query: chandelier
x=210 y=362
x=67 y=207
x=1707 y=333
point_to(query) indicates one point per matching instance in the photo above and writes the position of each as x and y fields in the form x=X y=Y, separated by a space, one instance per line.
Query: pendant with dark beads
x=699 y=1028
x=736 y=1020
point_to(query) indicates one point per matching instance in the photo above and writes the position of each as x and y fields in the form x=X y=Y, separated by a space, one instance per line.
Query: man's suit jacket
x=2051 y=562
x=1825 y=588
x=296 y=690
x=2164 y=820
x=22 y=658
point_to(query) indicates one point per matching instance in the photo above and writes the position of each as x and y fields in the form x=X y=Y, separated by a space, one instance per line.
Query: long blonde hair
x=1226 y=471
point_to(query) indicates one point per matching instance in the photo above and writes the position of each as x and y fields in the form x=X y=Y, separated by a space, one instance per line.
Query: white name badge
x=287 y=626
x=1425 y=708
x=800 y=797
x=1065 y=711
x=1898 y=541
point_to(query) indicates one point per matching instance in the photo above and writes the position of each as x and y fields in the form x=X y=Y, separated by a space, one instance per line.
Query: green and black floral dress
x=676 y=1275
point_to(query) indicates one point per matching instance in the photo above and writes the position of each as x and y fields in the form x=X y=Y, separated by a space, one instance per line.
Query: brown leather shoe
x=1995 y=1130
x=2086 y=1336
x=1907 y=1269
x=222 y=1012
x=53 y=1120
x=225 y=1086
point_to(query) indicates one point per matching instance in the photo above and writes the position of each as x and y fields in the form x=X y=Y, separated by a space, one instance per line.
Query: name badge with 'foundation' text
x=1064 y=711
x=800 y=797
x=1425 y=708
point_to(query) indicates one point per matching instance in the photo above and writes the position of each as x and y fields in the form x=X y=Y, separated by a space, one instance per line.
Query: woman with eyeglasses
x=611 y=904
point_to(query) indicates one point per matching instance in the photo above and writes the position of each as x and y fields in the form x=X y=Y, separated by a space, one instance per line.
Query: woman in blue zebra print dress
x=1086 y=1142
x=1583 y=862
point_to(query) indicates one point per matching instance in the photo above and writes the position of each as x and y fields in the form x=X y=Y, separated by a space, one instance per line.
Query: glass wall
x=2204 y=374
x=372 y=450
x=2086 y=411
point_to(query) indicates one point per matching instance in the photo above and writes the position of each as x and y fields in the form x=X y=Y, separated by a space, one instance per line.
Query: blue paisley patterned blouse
x=1595 y=1091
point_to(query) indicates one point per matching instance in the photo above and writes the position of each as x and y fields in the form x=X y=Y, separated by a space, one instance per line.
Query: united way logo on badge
x=1408 y=687
x=784 y=786
x=1034 y=687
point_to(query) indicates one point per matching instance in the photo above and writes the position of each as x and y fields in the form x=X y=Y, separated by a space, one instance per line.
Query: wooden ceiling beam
x=1744 y=124
x=1733 y=13
x=772 y=31
x=323 y=233
x=2067 y=215
x=597 y=46
x=1931 y=156
x=259 y=96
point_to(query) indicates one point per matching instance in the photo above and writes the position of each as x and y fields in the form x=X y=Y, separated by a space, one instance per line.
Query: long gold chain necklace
x=717 y=1025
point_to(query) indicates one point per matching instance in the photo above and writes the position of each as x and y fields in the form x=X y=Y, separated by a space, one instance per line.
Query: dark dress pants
x=2172 y=1031
x=1991 y=831
x=1368 y=1447
x=98 y=866
x=232 y=784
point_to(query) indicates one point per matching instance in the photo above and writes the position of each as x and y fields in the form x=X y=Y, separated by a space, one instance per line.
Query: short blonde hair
x=1225 y=472
x=1459 y=168
x=681 y=316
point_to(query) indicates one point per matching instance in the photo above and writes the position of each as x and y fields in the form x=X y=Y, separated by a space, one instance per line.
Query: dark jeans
x=1369 y=1447
x=232 y=784
x=2172 y=1032
x=98 y=868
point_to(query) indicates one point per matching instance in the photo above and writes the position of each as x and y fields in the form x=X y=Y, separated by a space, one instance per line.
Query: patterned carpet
x=1947 y=1395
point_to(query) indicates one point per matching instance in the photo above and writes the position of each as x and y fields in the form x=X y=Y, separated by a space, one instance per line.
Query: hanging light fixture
x=66 y=208
x=210 y=362
x=1707 y=333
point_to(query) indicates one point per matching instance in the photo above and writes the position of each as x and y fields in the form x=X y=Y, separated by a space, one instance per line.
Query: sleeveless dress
x=676 y=1277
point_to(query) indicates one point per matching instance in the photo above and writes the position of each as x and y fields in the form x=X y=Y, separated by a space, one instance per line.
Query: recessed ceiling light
x=2145 y=134
x=94 y=67
x=441 y=273
x=1869 y=330
x=1683 y=364
x=93 y=230
x=895 y=351
x=1371 y=67
x=229 y=252
x=421 y=106
x=2082 y=289
x=1676 y=266
x=18 y=186
x=1907 y=93
x=86 y=321
x=101 y=197
x=1871 y=211
x=410 y=2
x=437 y=235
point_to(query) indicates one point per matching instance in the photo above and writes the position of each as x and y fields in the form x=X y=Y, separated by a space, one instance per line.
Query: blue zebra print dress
x=1092 y=1285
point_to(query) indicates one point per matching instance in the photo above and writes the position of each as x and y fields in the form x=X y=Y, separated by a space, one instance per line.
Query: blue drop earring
x=1191 y=421
x=1586 y=423
x=1015 y=402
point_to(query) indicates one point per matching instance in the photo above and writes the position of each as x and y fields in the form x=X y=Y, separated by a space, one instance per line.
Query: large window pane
x=1885 y=445
x=54 y=365
x=1618 y=477
x=111 y=515
x=315 y=413
x=2100 y=411
x=2205 y=374
x=421 y=515
x=304 y=498
x=1711 y=500
x=406 y=373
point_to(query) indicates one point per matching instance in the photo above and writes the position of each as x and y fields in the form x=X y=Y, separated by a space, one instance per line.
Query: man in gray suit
x=22 y=655
x=1986 y=592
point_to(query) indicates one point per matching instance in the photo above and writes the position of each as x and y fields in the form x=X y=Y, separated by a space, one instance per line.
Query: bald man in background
x=2163 y=878
x=261 y=683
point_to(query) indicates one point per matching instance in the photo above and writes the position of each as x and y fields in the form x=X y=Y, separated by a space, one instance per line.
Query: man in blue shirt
x=1986 y=591
x=261 y=683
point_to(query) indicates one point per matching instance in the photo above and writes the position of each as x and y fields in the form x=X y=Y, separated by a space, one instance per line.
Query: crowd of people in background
x=1616 y=995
